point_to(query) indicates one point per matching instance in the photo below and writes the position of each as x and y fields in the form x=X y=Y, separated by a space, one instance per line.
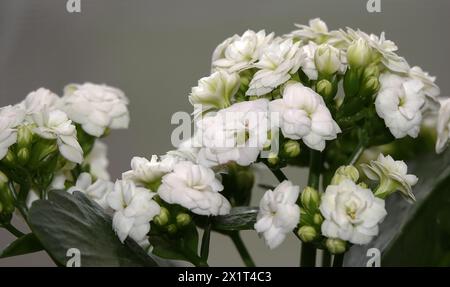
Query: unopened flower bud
x=307 y=233
x=272 y=158
x=327 y=59
x=183 y=219
x=310 y=198
x=371 y=71
x=318 y=219
x=162 y=218
x=363 y=185
x=23 y=155
x=335 y=246
x=24 y=135
x=291 y=148
x=358 y=54
x=10 y=158
x=172 y=228
x=3 y=179
x=324 y=88
x=345 y=172
x=370 y=86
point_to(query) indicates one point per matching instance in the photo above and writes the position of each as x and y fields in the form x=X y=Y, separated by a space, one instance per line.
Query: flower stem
x=356 y=154
x=326 y=259
x=243 y=252
x=278 y=174
x=338 y=260
x=14 y=231
x=308 y=255
x=204 y=251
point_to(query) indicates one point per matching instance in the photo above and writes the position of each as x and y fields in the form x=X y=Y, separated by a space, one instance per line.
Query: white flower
x=194 y=187
x=97 y=161
x=10 y=118
x=308 y=64
x=278 y=61
x=55 y=125
x=96 y=107
x=97 y=191
x=304 y=115
x=351 y=213
x=214 y=92
x=40 y=100
x=316 y=31
x=392 y=175
x=146 y=173
x=238 y=53
x=327 y=59
x=443 y=126
x=237 y=133
x=430 y=89
x=134 y=209
x=186 y=151
x=278 y=213
x=399 y=103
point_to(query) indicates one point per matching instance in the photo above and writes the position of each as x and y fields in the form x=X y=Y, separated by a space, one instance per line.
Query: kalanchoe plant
x=329 y=101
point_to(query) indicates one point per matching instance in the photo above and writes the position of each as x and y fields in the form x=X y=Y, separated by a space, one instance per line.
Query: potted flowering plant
x=339 y=103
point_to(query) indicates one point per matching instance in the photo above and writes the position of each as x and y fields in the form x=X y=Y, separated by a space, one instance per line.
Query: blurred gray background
x=156 y=50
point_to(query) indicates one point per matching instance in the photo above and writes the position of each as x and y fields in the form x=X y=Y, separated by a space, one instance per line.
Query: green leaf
x=180 y=246
x=240 y=218
x=415 y=234
x=66 y=221
x=22 y=245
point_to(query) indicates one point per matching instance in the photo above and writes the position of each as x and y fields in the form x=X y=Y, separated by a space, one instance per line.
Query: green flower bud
x=335 y=246
x=363 y=185
x=371 y=71
x=24 y=135
x=318 y=219
x=3 y=179
x=183 y=219
x=370 y=86
x=163 y=217
x=172 y=228
x=359 y=54
x=324 y=88
x=272 y=158
x=23 y=155
x=327 y=59
x=310 y=198
x=42 y=151
x=307 y=233
x=6 y=197
x=10 y=158
x=345 y=172
x=291 y=148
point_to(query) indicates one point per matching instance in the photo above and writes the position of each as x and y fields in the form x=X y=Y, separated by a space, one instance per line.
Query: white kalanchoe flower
x=194 y=187
x=97 y=161
x=56 y=125
x=327 y=59
x=399 y=103
x=97 y=191
x=278 y=213
x=148 y=173
x=10 y=118
x=351 y=212
x=214 y=92
x=40 y=100
x=316 y=31
x=134 y=209
x=443 y=126
x=237 y=133
x=304 y=115
x=96 y=107
x=430 y=89
x=278 y=61
x=238 y=53
x=392 y=175
x=186 y=151
x=308 y=64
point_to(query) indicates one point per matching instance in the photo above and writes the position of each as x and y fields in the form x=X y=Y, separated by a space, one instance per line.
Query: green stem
x=243 y=252
x=326 y=259
x=308 y=255
x=204 y=251
x=338 y=260
x=19 y=203
x=14 y=231
x=278 y=174
x=356 y=154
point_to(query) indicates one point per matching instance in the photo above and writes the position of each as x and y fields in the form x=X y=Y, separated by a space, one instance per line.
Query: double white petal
x=97 y=191
x=278 y=61
x=10 y=118
x=237 y=133
x=194 y=187
x=40 y=100
x=443 y=126
x=304 y=115
x=97 y=160
x=351 y=213
x=96 y=107
x=56 y=125
x=278 y=213
x=238 y=53
x=399 y=103
x=133 y=210
x=146 y=172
